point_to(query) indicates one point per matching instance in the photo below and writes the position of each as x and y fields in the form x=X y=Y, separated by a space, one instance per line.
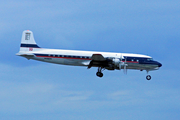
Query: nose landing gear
x=148 y=77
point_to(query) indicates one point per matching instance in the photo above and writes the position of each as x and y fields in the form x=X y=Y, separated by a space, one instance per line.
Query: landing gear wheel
x=99 y=74
x=148 y=77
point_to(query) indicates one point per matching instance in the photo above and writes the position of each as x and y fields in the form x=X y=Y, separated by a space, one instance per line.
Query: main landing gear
x=99 y=72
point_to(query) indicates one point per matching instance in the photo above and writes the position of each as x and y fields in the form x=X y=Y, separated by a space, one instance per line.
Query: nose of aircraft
x=159 y=64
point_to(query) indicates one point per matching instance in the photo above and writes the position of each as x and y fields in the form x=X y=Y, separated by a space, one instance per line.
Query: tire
x=148 y=77
x=99 y=74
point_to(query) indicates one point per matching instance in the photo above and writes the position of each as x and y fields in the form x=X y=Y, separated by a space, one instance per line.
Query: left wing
x=98 y=60
x=98 y=57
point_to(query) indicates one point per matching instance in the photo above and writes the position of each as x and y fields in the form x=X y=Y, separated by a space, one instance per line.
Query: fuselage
x=83 y=58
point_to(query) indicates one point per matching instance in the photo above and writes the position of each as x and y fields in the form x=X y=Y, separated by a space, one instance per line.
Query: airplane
x=103 y=60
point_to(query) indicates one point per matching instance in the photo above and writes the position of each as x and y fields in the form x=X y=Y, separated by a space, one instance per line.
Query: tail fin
x=27 y=42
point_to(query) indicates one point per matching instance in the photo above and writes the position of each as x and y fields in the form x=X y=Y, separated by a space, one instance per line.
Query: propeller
x=121 y=63
x=118 y=62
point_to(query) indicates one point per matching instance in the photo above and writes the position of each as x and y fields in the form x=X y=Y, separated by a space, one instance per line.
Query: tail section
x=28 y=45
x=27 y=42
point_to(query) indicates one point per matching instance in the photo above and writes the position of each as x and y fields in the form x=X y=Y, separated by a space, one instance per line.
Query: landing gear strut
x=99 y=72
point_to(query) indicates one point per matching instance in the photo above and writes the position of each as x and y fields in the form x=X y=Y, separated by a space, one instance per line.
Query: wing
x=98 y=60
x=98 y=57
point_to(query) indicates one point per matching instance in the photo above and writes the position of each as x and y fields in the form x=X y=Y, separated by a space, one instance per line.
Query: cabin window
x=149 y=59
x=27 y=36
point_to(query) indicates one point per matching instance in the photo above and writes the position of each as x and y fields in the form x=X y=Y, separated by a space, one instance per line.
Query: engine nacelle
x=116 y=62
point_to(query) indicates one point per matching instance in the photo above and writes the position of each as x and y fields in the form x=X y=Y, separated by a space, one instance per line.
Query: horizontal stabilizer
x=28 y=56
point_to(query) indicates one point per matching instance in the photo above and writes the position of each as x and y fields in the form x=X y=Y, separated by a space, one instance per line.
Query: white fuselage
x=81 y=58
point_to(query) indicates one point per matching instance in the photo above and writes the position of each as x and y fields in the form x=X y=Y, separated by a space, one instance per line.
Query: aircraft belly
x=74 y=62
x=50 y=60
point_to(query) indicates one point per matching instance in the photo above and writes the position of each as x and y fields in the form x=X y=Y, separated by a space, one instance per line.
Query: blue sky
x=35 y=90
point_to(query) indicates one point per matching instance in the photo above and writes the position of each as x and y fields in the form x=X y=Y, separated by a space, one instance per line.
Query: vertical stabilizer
x=27 y=42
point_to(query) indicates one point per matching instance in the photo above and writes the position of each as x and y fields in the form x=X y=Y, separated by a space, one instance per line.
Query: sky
x=34 y=90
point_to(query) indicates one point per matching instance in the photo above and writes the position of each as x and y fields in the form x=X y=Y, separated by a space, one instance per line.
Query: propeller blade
x=120 y=66
x=125 y=70
x=125 y=65
x=121 y=63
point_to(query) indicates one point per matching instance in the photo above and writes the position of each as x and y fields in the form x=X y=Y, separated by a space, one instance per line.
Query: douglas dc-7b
x=103 y=60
